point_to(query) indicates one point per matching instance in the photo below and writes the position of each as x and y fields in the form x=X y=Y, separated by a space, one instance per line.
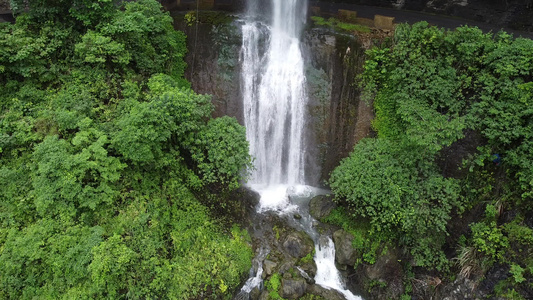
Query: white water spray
x=274 y=100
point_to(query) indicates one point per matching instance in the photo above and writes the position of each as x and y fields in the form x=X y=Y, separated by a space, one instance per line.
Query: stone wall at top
x=514 y=14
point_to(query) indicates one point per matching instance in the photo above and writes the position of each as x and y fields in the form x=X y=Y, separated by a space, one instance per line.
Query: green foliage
x=46 y=259
x=99 y=49
x=376 y=284
x=338 y=25
x=27 y=52
x=65 y=181
x=308 y=258
x=216 y=18
x=102 y=144
x=401 y=193
x=433 y=84
x=220 y=150
x=429 y=87
x=190 y=18
x=312 y=297
x=505 y=290
x=489 y=239
x=87 y=12
x=518 y=273
x=148 y=129
x=519 y=233
x=273 y=285
x=111 y=266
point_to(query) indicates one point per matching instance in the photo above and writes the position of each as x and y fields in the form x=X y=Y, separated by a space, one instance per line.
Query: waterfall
x=274 y=95
x=274 y=102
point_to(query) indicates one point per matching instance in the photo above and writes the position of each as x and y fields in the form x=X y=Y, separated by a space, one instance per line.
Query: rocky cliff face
x=213 y=59
x=338 y=118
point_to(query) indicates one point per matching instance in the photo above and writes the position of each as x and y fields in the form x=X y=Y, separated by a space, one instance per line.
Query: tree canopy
x=106 y=156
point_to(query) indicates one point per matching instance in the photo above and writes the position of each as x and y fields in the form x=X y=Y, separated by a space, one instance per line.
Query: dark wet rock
x=298 y=244
x=255 y=293
x=321 y=206
x=461 y=288
x=297 y=216
x=308 y=278
x=264 y=296
x=388 y=272
x=328 y=294
x=293 y=288
x=386 y=265
x=528 y=221
x=308 y=267
x=345 y=253
x=240 y=206
x=246 y=195
x=497 y=273
x=269 y=267
x=338 y=116
x=287 y=265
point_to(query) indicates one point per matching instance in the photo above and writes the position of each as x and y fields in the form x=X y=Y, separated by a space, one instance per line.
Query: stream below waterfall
x=274 y=102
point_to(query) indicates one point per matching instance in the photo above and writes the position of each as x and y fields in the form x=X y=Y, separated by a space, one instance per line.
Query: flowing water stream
x=274 y=101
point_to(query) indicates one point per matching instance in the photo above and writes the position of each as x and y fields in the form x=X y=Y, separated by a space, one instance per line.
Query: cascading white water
x=274 y=100
x=274 y=95
x=327 y=274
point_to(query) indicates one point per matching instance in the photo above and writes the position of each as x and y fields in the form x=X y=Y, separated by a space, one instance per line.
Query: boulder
x=264 y=296
x=387 y=270
x=345 y=253
x=255 y=293
x=307 y=277
x=298 y=244
x=386 y=265
x=293 y=288
x=321 y=206
x=308 y=267
x=461 y=288
x=269 y=267
x=325 y=293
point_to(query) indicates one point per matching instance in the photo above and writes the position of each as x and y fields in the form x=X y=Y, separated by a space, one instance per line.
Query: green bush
x=401 y=193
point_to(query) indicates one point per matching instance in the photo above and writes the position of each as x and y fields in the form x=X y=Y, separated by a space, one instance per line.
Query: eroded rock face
x=269 y=267
x=298 y=244
x=213 y=63
x=329 y=294
x=461 y=288
x=345 y=253
x=338 y=117
x=321 y=206
x=5 y=5
x=308 y=267
x=388 y=271
x=293 y=288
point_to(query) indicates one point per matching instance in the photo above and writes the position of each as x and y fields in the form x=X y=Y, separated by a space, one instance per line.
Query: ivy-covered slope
x=449 y=177
x=108 y=159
